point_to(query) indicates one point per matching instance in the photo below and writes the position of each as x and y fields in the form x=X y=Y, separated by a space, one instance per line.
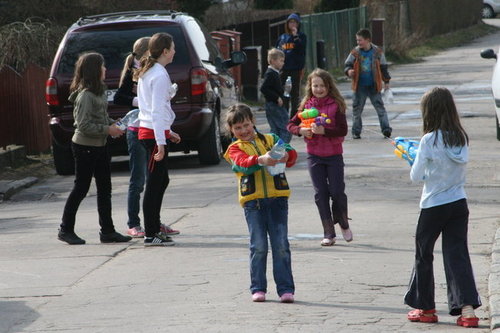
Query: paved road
x=202 y=283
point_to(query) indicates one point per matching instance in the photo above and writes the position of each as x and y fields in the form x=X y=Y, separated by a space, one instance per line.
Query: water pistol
x=406 y=149
x=312 y=115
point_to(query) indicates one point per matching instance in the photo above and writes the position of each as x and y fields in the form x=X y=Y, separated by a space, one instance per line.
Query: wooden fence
x=23 y=111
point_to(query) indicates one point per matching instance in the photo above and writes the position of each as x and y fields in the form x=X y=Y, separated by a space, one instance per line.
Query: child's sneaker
x=287 y=298
x=468 y=321
x=113 y=237
x=423 y=316
x=328 y=241
x=136 y=232
x=70 y=237
x=259 y=296
x=347 y=234
x=168 y=231
x=160 y=239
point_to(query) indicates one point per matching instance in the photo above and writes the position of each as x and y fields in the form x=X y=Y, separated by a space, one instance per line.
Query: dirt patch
x=35 y=166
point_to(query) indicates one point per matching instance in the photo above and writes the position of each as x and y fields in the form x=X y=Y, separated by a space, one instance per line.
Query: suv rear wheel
x=498 y=129
x=487 y=12
x=63 y=159
x=210 y=145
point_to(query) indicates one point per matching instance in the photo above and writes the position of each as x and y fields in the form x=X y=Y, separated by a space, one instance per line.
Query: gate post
x=320 y=54
x=378 y=31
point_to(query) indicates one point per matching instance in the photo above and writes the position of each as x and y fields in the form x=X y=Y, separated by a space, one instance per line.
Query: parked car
x=495 y=84
x=490 y=8
x=205 y=87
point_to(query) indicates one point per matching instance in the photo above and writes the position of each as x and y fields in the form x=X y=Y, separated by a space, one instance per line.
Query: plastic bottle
x=288 y=86
x=388 y=96
x=128 y=120
x=173 y=90
x=277 y=152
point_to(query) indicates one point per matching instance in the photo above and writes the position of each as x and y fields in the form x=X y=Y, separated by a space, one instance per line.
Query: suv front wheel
x=210 y=145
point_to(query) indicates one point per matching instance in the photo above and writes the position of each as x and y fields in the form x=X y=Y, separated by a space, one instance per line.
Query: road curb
x=9 y=187
x=493 y=283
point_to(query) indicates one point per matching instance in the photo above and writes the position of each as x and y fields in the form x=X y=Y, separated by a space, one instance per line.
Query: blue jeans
x=269 y=216
x=137 y=165
x=358 y=103
x=277 y=117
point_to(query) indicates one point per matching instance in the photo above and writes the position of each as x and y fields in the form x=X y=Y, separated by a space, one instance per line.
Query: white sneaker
x=328 y=241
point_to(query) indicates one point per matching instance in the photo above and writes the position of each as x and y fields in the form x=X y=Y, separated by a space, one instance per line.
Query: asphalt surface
x=201 y=284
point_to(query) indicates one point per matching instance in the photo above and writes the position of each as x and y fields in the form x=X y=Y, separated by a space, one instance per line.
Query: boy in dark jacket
x=276 y=113
x=293 y=43
x=367 y=67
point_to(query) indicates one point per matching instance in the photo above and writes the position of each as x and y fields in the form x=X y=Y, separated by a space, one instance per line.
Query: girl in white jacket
x=440 y=164
x=154 y=92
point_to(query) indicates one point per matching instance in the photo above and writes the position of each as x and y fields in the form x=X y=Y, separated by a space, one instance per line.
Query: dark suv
x=205 y=86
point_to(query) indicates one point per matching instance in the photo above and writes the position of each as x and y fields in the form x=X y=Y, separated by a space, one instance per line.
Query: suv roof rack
x=93 y=18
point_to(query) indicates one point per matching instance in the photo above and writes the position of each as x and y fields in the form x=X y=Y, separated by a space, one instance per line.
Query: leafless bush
x=399 y=48
x=231 y=13
x=32 y=41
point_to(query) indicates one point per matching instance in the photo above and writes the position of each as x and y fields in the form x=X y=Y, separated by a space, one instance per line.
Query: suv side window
x=203 y=42
x=115 y=44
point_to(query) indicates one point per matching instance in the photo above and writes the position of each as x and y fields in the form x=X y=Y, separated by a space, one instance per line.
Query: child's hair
x=238 y=113
x=88 y=72
x=158 y=42
x=440 y=113
x=138 y=50
x=364 y=33
x=328 y=80
x=274 y=54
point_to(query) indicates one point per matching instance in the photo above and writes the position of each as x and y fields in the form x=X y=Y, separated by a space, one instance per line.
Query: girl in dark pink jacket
x=324 y=137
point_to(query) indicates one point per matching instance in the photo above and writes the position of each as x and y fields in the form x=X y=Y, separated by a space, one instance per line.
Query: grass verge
x=438 y=43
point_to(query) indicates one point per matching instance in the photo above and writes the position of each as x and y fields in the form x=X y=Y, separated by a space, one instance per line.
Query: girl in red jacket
x=324 y=139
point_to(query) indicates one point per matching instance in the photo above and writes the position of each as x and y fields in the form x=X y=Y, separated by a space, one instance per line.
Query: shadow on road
x=14 y=313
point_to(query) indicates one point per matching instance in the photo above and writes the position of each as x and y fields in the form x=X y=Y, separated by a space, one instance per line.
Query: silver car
x=495 y=83
x=490 y=8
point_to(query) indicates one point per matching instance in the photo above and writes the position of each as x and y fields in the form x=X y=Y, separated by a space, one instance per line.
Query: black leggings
x=156 y=184
x=90 y=162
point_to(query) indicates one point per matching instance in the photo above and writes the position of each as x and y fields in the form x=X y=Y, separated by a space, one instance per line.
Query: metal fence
x=337 y=29
x=23 y=109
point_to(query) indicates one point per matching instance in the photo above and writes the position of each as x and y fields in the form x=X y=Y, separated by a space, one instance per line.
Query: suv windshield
x=115 y=44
